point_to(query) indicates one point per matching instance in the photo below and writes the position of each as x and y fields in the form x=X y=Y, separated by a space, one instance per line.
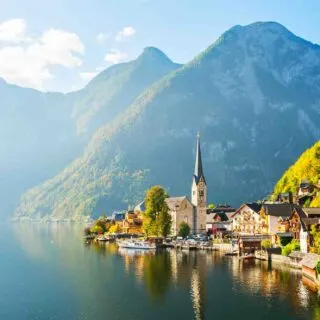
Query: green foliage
x=266 y=244
x=294 y=245
x=157 y=220
x=306 y=167
x=315 y=245
x=164 y=221
x=211 y=206
x=115 y=228
x=184 y=229
x=318 y=267
x=96 y=229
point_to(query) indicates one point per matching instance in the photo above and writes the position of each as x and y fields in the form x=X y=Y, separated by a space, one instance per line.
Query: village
x=280 y=229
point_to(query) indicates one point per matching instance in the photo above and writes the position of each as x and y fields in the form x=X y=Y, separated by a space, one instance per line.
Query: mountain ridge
x=243 y=92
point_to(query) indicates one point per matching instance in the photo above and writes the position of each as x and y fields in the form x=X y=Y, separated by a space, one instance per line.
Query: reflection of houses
x=247 y=220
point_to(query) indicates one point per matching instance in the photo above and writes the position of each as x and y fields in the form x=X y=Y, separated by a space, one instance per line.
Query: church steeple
x=199 y=193
x=198 y=169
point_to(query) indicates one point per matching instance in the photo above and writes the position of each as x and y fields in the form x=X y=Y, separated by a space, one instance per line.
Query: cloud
x=115 y=56
x=26 y=61
x=125 y=32
x=13 y=31
x=88 y=75
x=102 y=37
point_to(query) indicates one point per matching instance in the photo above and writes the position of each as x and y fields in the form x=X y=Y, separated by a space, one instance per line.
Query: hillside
x=307 y=167
x=40 y=133
x=114 y=89
x=255 y=97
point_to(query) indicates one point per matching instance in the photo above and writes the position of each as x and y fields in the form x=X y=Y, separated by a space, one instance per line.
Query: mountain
x=307 y=167
x=40 y=133
x=255 y=97
x=36 y=140
x=114 y=89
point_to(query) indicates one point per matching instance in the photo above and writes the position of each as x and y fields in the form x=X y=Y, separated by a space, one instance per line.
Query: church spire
x=198 y=169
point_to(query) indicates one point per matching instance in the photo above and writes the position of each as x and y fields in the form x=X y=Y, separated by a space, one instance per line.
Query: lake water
x=48 y=272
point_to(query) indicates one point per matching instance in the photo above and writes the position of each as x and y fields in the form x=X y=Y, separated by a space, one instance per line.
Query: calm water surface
x=48 y=272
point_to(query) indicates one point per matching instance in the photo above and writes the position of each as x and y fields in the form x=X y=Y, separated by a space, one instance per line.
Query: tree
x=115 y=228
x=164 y=221
x=211 y=206
x=315 y=248
x=157 y=220
x=184 y=229
x=96 y=229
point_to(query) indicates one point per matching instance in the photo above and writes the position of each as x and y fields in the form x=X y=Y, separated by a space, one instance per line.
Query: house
x=132 y=223
x=301 y=221
x=218 y=223
x=309 y=265
x=305 y=237
x=285 y=197
x=276 y=217
x=246 y=220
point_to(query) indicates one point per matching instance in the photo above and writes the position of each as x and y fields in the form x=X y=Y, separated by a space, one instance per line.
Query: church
x=193 y=212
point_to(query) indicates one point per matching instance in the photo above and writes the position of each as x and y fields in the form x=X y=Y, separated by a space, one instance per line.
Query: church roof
x=198 y=168
x=174 y=202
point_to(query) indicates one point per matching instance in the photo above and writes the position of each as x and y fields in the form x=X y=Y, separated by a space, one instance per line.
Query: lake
x=49 y=272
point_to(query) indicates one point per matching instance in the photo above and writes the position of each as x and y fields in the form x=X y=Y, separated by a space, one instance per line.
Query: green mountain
x=114 y=89
x=255 y=97
x=40 y=133
x=307 y=167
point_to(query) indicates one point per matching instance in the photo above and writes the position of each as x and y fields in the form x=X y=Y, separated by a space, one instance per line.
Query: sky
x=59 y=45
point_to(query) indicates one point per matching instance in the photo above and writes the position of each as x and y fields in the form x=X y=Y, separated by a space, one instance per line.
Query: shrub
x=266 y=244
x=294 y=245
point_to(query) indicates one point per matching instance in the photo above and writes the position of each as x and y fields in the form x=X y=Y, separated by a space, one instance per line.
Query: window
x=186 y=219
x=201 y=193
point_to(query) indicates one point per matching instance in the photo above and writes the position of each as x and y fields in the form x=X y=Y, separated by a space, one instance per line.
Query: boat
x=136 y=244
x=102 y=238
x=231 y=253
x=248 y=256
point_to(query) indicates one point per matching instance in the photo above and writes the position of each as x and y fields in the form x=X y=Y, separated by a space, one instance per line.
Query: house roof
x=306 y=222
x=174 y=202
x=301 y=213
x=311 y=211
x=256 y=207
x=310 y=260
x=278 y=209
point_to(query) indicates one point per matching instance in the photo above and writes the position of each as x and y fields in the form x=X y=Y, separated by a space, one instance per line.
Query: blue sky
x=58 y=45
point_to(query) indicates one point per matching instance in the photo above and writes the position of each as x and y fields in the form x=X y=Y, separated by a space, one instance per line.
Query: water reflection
x=104 y=278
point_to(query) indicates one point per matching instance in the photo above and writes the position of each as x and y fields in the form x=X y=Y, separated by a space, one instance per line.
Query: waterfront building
x=247 y=221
